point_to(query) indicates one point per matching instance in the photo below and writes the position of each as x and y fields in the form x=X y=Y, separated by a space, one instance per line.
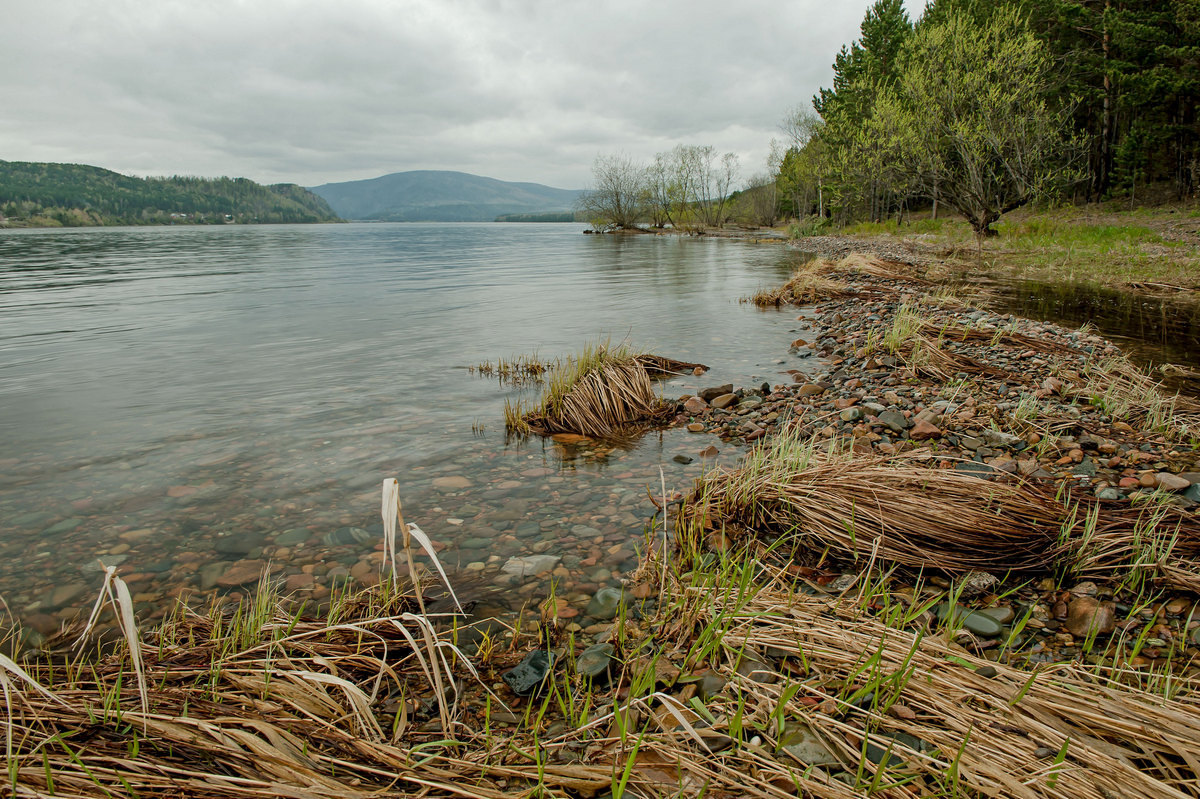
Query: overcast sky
x=316 y=92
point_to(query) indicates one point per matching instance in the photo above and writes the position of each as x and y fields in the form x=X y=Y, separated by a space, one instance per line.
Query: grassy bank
x=735 y=675
x=1108 y=245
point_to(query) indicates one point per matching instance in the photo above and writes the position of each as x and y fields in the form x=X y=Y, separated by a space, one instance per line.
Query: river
x=186 y=402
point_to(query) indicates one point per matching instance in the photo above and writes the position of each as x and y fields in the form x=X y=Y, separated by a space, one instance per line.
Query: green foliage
x=969 y=116
x=985 y=105
x=75 y=194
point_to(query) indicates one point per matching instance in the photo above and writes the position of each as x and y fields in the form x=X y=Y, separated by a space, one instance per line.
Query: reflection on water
x=188 y=402
x=1154 y=330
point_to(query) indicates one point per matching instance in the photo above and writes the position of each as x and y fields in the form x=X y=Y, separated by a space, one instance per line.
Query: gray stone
x=880 y=756
x=1109 y=493
x=1085 y=469
x=975 y=468
x=751 y=667
x=801 y=742
x=709 y=394
x=712 y=684
x=1170 y=482
x=346 y=535
x=63 y=595
x=529 y=565
x=606 y=603
x=65 y=526
x=873 y=408
x=851 y=414
x=289 y=538
x=594 y=662
x=209 y=574
x=99 y=564
x=528 y=676
x=1002 y=614
x=996 y=438
x=1193 y=493
x=894 y=421
x=975 y=621
x=238 y=543
x=34 y=519
x=724 y=401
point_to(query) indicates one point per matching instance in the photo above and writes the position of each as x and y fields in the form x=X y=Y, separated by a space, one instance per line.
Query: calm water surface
x=188 y=402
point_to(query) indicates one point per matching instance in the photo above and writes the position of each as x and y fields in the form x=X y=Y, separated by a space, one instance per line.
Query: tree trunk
x=1103 y=167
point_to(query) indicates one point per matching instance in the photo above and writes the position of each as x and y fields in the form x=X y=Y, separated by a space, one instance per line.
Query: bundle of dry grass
x=1127 y=393
x=1133 y=545
x=657 y=366
x=926 y=356
x=815 y=280
x=957 y=332
x=862 y=264
x=805 y=287
x=603 y=392
x=877 y=507
x=948 y=723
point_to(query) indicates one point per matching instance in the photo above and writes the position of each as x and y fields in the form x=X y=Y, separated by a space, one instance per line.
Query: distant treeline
x=566 y=216
x=39 y=194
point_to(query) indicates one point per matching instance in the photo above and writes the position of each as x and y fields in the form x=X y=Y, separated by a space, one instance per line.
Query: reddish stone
x=924 y=430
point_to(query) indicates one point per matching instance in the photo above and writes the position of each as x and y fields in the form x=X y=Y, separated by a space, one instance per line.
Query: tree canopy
x=74 y=194
x=984 y=105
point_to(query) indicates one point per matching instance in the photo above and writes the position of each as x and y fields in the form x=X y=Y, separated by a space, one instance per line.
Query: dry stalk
x=906 y=514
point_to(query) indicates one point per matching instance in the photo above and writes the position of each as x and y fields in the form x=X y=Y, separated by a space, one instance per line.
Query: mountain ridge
x=430 y=195
x=36 y=193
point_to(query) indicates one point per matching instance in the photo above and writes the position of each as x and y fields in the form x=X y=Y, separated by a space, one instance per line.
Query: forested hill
x=38 y=194
x=442 y=196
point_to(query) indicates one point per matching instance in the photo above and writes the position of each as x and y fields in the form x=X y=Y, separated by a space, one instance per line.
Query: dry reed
x=602 y=393
x=955 y=724
x=873 y=506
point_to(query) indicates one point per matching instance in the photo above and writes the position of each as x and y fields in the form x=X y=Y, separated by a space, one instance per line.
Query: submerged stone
x=605 y=603
x=529 y=565
x=346 y=535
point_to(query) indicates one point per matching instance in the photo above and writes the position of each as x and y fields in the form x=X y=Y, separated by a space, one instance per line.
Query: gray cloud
x=308 y=92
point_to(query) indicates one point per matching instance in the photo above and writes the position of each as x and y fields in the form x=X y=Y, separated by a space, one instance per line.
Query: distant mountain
x=439 y=196
x=41 y=194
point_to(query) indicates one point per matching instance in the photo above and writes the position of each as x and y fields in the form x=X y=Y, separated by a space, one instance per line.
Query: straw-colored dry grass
x=951 y=331
x=817 y=280
x=1128 y=394
x=259 y=702
x=859 y=263
x=803 y=288
x=874 y=507
x=848 y=677
x=895 y=511
x=603 y=392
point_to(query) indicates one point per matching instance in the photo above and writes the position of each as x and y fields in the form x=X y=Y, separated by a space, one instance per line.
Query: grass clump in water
x=602 y=392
